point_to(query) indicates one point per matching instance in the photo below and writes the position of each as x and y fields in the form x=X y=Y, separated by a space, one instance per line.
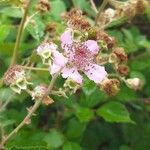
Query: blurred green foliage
x=88 y=120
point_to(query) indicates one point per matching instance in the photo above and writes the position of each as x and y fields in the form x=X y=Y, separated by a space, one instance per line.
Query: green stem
x=33 y=68
x=19 y=35
x=31 y=112
x=103 y=5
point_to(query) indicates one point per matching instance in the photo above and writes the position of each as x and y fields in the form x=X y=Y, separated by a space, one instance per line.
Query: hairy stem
x=30 y=113
x=19 y=35
x=105 y=2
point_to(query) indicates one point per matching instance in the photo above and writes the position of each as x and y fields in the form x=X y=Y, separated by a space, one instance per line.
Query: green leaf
x=71 y=146
x=58 y=7
x=14 y=12
x=114 y=112
x=84 y=114
x=4 y=31
x=89 y=87
x=54 y=139
x=74 y=129
x=36 y=28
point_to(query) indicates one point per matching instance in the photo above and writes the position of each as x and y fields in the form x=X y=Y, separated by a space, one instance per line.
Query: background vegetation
x=88 y=120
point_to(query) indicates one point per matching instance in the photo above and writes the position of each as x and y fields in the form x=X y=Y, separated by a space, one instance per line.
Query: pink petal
x=73 y=74
x=66 y=37
x=59 y=59
x=54 y=68
x=96 y=73
x=92 y=46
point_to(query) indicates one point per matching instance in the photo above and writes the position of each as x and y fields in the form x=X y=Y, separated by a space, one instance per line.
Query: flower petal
x=66 y=37
x=73 y=74
x=46 y=47
x=54 y=68
x=96 y=73
x=92 y=46
x=59 y=61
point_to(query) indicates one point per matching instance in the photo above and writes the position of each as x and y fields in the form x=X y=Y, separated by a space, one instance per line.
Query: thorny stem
x=31 y=112
x=19 y=35
x=105 y=2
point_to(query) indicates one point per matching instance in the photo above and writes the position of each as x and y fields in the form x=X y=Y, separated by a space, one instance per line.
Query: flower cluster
x=122 y=11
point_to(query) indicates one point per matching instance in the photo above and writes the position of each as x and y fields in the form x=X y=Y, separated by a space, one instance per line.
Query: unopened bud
x=110 y=86
x=134 y=83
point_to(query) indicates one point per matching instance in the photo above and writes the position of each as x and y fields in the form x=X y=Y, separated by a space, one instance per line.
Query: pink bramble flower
x=80 y=58
x=48 y=53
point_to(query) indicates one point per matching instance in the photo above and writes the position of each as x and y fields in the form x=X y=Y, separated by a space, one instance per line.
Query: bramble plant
x=71 y=57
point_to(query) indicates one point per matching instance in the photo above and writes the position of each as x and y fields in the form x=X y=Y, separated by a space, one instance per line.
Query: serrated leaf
x=84 y=114
x=114 y=112
x=89 y=87
x=54 y=139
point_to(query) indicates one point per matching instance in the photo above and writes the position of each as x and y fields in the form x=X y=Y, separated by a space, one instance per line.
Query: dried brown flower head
x=110 y=41
x=76 y=20
x=43 y=6
x=12 y=74
x=50 y=28
x=120 y=54
x=123 y=70
x=110 y=86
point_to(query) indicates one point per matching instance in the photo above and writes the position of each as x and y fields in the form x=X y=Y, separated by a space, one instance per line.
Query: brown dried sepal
x=47 y=101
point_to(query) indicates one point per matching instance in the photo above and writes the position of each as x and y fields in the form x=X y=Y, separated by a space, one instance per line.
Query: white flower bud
x=134 y=83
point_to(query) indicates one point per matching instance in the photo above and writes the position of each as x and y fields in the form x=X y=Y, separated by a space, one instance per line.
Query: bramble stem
x=93 y=6
x=33 y=68
x=31 y=112
x=105 y=2
x=19 y=35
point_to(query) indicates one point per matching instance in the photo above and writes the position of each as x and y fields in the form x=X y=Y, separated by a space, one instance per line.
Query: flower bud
x=71 y=86
x=39 y=92
x=15 y=77
x=110 y=86
x=133 y=83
